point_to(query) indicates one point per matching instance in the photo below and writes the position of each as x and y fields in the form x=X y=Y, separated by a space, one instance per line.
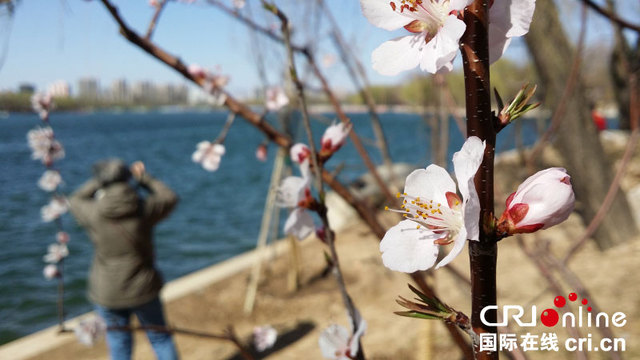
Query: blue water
x=218 y=216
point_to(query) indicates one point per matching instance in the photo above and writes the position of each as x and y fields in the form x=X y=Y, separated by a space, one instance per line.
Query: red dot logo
x=549 y=317
x=559 y=301
x=584 y=301
x=573 y=297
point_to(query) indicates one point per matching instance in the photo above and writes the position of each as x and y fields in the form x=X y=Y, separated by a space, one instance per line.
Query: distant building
x=120 y=91
x=143 y=92
x=26 y=88
x=88 y=88
x=59 y=89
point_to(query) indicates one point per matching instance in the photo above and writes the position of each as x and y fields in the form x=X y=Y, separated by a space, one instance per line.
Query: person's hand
x=137 y=169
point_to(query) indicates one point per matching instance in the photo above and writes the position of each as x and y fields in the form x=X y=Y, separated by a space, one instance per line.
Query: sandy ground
x=300 y=316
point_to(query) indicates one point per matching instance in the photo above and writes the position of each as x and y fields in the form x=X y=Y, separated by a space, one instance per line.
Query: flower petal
x=380 y=14
x=439 y=53
x=333 y=341
x=397 y=55
x=406 y=248
x=431 y=183
x=508 y=18
x=458 y=245
x=466 y=163
x=355 y=339
x=291 y=191
x=299 y=224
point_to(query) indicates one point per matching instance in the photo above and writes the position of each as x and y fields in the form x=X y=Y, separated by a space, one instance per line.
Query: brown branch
x=364 y=211
x=483 y=253
x=611 y=16
x=154 y=19
x=558 y=114
x=232 y=104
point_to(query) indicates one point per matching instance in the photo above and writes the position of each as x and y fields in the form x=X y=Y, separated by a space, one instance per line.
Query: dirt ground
x=300 y=316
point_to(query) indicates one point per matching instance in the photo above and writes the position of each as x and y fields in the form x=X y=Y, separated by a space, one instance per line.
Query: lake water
x=218 y=216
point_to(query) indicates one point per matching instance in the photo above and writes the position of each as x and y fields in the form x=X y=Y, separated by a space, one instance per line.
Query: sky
x=51 y=40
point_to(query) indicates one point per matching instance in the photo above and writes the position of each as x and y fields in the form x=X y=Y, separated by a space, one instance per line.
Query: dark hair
x=111 y=171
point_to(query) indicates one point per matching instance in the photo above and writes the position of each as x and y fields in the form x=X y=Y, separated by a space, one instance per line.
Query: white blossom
x=50 y=180
x=208 y=155
x=55 y=253
x=89 y=331
x=50 y=271
x=264 y=337
x=56 y=207
x=435 y=214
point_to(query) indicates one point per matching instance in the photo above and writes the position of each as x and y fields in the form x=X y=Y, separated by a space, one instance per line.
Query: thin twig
x=558 y=114
x=611 y=16
x=317 y=168
x=355 y=139
x=154 y=19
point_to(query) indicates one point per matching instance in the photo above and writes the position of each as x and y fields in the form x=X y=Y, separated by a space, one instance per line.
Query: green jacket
x=120 y=225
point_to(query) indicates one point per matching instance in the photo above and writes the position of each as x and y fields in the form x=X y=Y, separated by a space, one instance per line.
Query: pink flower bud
x=543 y=200
x=261 y=152
x=62 y=237
x=299 y=153
x=334 y=137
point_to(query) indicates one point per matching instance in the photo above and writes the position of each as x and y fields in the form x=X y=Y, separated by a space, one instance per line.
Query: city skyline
x=47 y=41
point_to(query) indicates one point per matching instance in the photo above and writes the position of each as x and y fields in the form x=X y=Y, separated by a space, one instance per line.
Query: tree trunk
x=577 y=137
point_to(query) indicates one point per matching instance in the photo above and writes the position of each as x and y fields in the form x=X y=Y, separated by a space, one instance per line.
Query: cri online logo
x=550 y=317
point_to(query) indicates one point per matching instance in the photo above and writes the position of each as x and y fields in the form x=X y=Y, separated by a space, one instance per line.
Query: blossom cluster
x=435 y=28
x=294 y=192
x=47 y=149
x=434 y=214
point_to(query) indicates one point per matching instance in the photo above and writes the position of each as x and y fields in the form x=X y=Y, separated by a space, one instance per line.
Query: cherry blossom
x=55 y=253
x=543 y=200
x=261 y=152
x=211 y=82
x=338 y=343
x=333 y=138
x=56 y=207
x=89 y=331
x=50 y=271
x=208 y=155
x=294 y=192
x=41 y=103
x=264 y=337
x=44 y=146
x=50 y=180
x=299 y=153
x=435 y=214
x=275 y=98
x=62 y=237
x=436 y=28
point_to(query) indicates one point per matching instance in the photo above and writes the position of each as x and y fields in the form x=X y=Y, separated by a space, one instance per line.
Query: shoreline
x=49 y=338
